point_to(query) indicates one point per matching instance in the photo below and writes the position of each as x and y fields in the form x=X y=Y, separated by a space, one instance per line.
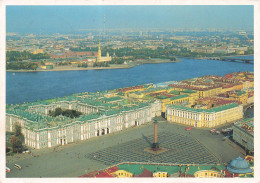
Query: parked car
x=26 y=151
x=213 y=130
x=17 y=166
x=7 y=169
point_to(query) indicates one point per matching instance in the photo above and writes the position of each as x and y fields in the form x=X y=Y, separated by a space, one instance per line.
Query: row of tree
x=85 y=65
x=117 y=60
x=24 y=55
x=21 y=66
x=67 y=112
x=101 y=64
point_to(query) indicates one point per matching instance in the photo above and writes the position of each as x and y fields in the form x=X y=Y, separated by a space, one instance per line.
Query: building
x=99 y=56
x=204 y=117
x=122 y=174
x=243 y=134
x=239 y=166
x=100 y=117
x=126 y=170
x=38 y=51
x=160 y=174
x=208 y=174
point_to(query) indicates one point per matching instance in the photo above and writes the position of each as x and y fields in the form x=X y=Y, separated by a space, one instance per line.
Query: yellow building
x=160 y=174
x=209 y=92
x=241 y=96
x=43 y=66
x=175 y=100
x=38 y=51
x=204 y=117
x=130 y=89
x=102 y=59
x=232 y=87
x=208 y=174
x=122 y=174
x=201 y=91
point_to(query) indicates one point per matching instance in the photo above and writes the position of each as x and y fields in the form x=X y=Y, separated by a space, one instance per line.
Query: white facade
x=79 y=130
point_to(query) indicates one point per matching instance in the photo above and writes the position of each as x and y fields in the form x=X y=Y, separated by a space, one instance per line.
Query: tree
x=34 y=66
x=58 y=111
x=17 y=144
x=7 y=148
x=17 y=130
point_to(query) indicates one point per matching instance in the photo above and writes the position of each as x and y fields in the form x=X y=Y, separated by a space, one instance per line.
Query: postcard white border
x=4 y=3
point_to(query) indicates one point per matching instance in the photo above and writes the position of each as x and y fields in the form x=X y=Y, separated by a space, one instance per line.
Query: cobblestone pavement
x=182 y=149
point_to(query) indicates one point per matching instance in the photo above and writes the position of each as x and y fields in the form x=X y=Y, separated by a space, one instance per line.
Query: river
x=30 y=86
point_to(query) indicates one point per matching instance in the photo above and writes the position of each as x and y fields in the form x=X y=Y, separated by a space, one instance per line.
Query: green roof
x=137 y=169
x=111 y=99
x=215 y=109
x=247 y=120
x=89 y=117
x=161 y=97
x=189 y=91
x=132 y=168
x=241 y=93
x=175 y=92
x=111 y=112
x=179 y=96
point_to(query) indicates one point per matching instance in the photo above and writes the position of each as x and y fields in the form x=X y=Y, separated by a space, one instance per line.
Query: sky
x=55 y=19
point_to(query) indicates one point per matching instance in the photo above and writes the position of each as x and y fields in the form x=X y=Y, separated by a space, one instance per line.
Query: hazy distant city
x=130 y=102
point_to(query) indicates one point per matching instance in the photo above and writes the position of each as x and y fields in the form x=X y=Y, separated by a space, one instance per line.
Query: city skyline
x=71 y=19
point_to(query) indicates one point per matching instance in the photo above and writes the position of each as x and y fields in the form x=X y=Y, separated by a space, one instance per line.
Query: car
x=26 y=151
x=17 y=166
x=7 y=169
x=212 y=131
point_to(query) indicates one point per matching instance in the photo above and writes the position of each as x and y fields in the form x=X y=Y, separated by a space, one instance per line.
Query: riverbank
x=203 y=58
x=112 y=66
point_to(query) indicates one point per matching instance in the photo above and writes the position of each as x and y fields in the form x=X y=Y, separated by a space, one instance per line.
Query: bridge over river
x=232 y=59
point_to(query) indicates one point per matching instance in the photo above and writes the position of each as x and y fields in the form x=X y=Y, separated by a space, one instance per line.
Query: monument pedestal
x=157 y=151
x=155 y=146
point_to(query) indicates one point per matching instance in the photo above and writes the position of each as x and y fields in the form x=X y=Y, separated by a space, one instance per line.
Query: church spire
x=99 y=51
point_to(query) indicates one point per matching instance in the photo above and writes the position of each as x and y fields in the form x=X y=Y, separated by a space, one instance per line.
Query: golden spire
x=99 y=51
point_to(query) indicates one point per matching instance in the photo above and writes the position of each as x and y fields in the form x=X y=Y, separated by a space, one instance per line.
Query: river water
x=30 y=86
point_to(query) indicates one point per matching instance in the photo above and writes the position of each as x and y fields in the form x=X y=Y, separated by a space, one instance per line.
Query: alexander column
x=155 y=145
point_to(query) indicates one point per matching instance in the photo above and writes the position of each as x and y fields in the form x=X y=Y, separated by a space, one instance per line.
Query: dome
x=239 y=165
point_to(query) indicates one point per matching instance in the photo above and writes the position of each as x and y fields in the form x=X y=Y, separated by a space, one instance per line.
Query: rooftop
x=214 y=109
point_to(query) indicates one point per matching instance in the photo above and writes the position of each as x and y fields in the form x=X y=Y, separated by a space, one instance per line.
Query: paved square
x=182 y=149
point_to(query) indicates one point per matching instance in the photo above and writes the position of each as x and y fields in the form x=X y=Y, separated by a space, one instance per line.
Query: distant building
x=100 y=58
x=38 y=51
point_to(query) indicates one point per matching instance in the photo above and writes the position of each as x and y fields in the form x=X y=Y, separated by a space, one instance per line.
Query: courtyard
x=197 y=146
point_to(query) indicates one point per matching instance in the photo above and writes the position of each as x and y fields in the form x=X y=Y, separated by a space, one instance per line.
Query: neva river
x=30 y=86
